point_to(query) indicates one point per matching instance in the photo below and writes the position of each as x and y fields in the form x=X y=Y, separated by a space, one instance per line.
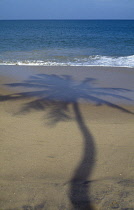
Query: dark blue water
x=67 y=42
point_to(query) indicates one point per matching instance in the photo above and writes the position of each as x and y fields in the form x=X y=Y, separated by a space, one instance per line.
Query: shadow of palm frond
x=61 y=91
x=56 y=94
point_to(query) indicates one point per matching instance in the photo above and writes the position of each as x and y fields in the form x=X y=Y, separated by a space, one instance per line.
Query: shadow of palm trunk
x=79 y=190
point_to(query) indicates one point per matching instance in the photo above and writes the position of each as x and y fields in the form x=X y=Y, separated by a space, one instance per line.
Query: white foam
x=97 y=60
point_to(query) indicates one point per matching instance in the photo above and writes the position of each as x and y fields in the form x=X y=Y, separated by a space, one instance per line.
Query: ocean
x=67 y=42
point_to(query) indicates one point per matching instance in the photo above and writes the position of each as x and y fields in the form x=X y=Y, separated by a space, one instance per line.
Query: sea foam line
x=97 y=60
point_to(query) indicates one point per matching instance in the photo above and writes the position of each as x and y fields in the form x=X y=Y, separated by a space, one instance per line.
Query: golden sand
x=61 y=148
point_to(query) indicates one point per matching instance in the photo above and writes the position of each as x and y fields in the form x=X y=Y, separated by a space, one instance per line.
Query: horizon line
x=61 y=19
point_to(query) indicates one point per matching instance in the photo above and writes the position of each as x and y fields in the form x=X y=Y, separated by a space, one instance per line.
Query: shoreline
x=90 y=66
x=31 y=65
x=84 y=66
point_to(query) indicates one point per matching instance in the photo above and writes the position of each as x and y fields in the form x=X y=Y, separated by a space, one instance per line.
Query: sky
x=66 y=9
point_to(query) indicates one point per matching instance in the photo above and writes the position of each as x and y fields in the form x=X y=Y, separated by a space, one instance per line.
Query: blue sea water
x=67 y=42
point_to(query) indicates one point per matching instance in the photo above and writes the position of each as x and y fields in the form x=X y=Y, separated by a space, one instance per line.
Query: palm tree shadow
x=56 y=94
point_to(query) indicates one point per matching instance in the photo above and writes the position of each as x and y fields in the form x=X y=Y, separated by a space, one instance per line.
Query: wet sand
x=66 y=138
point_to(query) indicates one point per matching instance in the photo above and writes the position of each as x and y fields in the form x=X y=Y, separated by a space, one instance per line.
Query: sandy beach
x=66 y=138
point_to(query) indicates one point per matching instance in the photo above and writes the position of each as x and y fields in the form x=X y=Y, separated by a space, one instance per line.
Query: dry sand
x=66 y=138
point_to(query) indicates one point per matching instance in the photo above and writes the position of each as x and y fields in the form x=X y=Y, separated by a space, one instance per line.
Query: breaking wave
x=96 y=60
